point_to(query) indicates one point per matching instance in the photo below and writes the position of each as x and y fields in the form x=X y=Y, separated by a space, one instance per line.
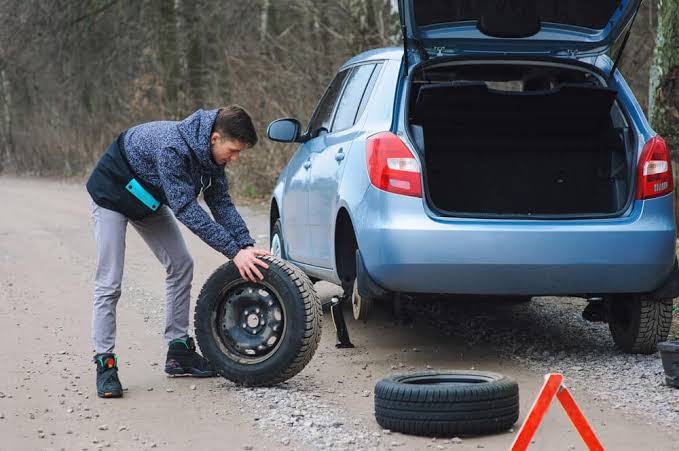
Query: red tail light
x=392 y=166
x=655 y=170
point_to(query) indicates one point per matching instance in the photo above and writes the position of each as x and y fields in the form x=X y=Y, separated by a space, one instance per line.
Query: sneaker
x=183 y=360
x=108 y=384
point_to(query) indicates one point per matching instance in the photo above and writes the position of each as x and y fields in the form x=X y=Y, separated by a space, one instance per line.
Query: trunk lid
x=570 y=28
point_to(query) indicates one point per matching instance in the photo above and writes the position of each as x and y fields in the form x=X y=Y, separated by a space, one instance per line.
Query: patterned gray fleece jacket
x=176 y=157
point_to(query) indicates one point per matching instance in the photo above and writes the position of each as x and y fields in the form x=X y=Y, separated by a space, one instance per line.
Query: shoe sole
x=172 y=372
x=110 y=394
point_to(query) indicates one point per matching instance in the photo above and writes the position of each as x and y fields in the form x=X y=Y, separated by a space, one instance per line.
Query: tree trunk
x=6 y=130
x=195 y=74
x=168 y=54
x=664 y=84
x=264 y=20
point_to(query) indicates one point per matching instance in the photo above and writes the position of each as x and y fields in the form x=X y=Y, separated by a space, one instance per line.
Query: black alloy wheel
x=250 y=322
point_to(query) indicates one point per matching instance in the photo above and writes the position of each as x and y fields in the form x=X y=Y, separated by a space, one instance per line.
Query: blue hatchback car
x=499 y=152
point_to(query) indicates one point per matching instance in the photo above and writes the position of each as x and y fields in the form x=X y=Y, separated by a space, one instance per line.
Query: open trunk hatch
x=554 y=27
x=520 y=141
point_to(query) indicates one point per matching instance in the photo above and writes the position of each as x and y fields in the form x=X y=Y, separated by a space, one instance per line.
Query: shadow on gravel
x=544 y=324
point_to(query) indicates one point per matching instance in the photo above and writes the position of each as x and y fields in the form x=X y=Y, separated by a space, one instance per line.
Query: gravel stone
x=293 y=409
x=549 y=335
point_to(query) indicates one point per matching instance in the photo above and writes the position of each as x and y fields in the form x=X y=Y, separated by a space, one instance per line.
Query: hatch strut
x=624 y=42
x=418 y=45
x=405 y=50
x=404 y=30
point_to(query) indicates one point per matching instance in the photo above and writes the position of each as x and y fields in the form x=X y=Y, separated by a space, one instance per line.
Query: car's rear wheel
x=638 y=323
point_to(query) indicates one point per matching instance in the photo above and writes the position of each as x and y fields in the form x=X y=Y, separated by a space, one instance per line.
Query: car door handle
x=307 y=164
x=339 y=156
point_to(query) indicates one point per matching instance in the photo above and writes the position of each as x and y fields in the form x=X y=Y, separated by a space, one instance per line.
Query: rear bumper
x=405 y=250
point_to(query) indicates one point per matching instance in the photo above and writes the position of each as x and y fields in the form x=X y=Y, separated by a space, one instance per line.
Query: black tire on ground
x=638 y=323
x=450 y=403
x=288 y=304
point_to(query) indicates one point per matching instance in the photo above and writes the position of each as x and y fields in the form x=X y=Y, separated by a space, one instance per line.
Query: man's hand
x=246 y=261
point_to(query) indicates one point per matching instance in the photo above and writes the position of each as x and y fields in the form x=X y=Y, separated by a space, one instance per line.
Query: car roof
x=385 y=53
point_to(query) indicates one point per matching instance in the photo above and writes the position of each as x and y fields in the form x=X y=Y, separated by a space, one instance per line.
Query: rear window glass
x=323 y=115
x=581 y=13
x=351 y=98
x=368 y=91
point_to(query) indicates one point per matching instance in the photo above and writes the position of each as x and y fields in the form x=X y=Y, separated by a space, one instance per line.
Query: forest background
x=73 y=74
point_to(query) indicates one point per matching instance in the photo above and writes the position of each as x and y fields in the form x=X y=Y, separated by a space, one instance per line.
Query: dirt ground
x=47 y=396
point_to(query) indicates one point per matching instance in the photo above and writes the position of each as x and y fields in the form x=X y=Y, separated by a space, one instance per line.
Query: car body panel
x=294 y=205
x=406 y=248
x=325 y=175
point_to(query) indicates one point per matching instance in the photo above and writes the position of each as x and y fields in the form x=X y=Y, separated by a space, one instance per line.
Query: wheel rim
x=358 y=309
x=276 y=249
x=250 y=322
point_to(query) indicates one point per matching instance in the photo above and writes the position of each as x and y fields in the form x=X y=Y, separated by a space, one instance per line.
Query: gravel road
x=47 y=399
x=549 y=335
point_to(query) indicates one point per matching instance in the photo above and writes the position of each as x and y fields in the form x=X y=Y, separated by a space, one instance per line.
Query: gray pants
x=161 y=232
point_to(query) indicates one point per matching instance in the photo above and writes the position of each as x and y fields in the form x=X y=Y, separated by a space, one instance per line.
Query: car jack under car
x=336 y=309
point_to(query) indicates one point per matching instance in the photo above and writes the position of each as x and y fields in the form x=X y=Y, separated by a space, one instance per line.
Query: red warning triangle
x=554 y=387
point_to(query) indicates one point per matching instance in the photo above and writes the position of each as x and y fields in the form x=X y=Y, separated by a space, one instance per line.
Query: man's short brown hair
x=233 y=122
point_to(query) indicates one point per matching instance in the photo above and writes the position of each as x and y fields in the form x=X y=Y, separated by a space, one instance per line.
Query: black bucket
x=669 y=352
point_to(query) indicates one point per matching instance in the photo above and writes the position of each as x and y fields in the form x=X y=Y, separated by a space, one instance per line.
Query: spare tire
x=258 y=333
x=450 y=403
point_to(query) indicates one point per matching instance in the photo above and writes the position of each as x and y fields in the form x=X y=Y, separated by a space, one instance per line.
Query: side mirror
x=284 y=130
